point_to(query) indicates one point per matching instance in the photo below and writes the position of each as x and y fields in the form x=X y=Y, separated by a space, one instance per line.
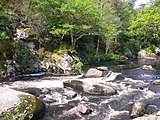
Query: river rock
x=93 y=72
x=147 y=67
x=128 y=53
x=119 y=115
x=148 y=117
x=70 y=94
x=75 y=84
x=96 y=72
x=156 y=82
x=83 y=109
x=90 y=87
x=143 y=54
x=98 y=89
x=151 y=109
x=11 y=99
x=157 y=51
x=138 y=109
x=34 y=91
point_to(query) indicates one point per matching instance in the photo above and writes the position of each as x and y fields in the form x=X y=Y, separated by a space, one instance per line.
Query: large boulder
x=98 y=89
x=90 y=87
x=96 y=72
x=19 y=105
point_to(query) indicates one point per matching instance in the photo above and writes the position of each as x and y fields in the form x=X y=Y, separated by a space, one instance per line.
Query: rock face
x=62 y=63
x=25 y=104
x=143 y=54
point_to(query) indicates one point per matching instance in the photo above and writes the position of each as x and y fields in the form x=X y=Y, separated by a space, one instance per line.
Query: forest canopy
x=95 y=30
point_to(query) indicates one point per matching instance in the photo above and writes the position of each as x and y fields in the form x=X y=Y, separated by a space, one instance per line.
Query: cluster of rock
x=142 y=54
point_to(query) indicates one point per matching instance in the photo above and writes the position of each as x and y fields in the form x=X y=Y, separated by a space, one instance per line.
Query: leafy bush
x=150 y=49
x=101 y=57
x=133 y=45
x=64 y=49
x=24 y=57
x=77 y=66
x=2 y=65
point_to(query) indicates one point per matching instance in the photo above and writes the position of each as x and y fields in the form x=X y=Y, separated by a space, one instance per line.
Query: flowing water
x=129 y=79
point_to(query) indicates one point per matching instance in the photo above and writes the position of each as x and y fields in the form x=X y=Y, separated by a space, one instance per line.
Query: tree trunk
x=107 y=47
x=97 y=48
x=73 y=42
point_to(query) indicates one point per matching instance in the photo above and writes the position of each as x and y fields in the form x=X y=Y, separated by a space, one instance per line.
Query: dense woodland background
x=94 y=30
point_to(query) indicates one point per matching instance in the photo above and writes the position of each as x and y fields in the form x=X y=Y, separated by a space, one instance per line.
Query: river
x=132 y=79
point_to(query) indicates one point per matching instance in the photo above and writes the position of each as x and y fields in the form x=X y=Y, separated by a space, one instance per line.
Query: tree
x=79 y=18
x=145 y=26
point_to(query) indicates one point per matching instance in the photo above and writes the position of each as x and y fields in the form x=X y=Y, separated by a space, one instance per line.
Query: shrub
x=2 y=65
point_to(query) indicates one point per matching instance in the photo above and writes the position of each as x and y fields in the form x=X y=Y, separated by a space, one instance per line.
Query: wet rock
x=84 y=109
x=98 y=89
x=156 y=82
x=147 y=67
x=143 y=54
x=45 y=91
x=11 y=100
x=138 y=109
x=157 y=51
x=48 y=100
x=33 y=91
x=120 y=77
x=75 y=84
x=151 y=109
x=70 y=94
x=128 y=53
x=93 y=72
x=102 y=68
x=149 y=117
x=119 y=115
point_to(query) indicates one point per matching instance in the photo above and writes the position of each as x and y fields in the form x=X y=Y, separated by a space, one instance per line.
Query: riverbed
x=132 y=80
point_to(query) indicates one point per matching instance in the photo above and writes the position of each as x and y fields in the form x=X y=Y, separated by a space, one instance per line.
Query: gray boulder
x=90 y=88
x=96 y=72
x=128 y=53
x=14 y=104
x=98 y=89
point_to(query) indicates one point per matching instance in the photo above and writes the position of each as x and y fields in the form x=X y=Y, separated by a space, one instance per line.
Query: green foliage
x=2 y=65
x=144 y=26
x=150 y=49
x=77 y=66
x=92 y=59
x=133 y=45
x=24 y=57
x=64 y=49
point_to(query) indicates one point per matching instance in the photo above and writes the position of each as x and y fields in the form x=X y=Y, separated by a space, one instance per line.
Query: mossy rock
x=17 y=105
